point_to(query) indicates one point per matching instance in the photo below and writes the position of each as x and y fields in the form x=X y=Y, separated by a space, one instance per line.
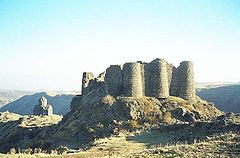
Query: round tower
x=132 y=80
x=113 y=79
x=159 y=78
x=186 y=82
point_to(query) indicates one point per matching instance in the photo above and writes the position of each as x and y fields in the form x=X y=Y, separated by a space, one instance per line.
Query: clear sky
x=47 y=44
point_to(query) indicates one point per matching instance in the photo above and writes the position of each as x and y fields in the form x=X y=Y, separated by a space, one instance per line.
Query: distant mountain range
x=10 y=95
x=225 y=97
x=24 y=105
x=208 y=85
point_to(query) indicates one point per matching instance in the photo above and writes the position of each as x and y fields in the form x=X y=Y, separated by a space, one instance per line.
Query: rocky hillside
x=24 y=105
x=108 y=116
x=19 y=131
x=225 y=98
x=95 y=115
x=218 y=137
x=8 y=96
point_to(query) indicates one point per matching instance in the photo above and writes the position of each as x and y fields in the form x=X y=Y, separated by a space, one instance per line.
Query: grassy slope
x=225 y=145
x=221 y=139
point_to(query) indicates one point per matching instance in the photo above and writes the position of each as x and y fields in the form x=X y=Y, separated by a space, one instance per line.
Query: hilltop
x=141 y=106
x=93 y=118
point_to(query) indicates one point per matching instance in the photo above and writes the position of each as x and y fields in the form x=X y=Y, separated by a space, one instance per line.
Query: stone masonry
x=132 y=80
x=114 y=80
x=157 y=79
x=43 y=108
x=186 y=84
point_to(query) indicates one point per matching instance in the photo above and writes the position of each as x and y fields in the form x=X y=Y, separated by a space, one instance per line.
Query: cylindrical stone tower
x=186 y=82
x=132 y=80
x=87 y=76
x=159 y=78
x=113 y=79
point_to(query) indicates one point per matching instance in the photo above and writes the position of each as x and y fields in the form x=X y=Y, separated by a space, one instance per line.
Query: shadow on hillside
x=14 y=136
x=184 y=133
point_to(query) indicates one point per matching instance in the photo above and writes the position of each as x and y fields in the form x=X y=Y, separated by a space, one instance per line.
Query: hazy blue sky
x=47 y=44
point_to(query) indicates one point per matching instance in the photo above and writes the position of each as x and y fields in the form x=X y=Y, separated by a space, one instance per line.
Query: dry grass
x=177 y=100
x=29 y=121
x=205 y=109
x=39 y=121
x=107 y=147
x=8 y=116
x=154 y=144
x=167 y=117
x=108 y=100
x=224 y=146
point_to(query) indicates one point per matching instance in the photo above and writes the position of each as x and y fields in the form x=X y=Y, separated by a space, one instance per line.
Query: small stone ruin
x=43 y=108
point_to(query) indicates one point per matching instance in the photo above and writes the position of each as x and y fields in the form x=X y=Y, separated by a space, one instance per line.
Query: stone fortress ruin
x=157 y=79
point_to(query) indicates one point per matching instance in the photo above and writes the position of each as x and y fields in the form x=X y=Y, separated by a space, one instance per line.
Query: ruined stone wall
x=132 y=80
x=86 y=78
x=174 y=82
x=186 y=82
x=157 y=79
x=147 y=80
x=113 y=79
x=101 y=77
x=169 y=73
x=143 y=77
